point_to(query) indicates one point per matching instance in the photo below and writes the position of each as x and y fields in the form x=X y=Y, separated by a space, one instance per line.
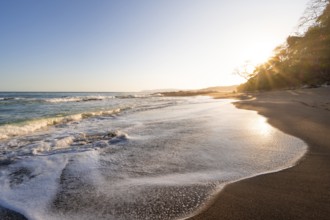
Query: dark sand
x=300 y=192
x=6 y=214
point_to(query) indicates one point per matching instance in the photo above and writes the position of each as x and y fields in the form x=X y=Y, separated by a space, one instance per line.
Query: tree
x=245 y=71
x=310 y=16
x=304 y=59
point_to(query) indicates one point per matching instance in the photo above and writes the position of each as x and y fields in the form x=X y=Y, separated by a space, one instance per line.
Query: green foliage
x=303 y=60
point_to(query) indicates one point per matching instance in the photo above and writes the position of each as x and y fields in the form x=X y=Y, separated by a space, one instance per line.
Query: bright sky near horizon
x=133 y=45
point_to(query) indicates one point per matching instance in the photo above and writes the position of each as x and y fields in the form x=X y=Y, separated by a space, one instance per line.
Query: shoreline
x=299 y=192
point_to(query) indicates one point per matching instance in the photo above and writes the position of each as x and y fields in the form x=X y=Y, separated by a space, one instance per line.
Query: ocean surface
x=129 y=155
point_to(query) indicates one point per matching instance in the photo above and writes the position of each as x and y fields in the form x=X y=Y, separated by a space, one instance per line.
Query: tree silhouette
x=304 y=59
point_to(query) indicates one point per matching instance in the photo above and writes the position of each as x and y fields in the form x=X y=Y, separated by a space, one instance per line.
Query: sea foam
x=162 y=160
x=78 y=99
x=11 y=130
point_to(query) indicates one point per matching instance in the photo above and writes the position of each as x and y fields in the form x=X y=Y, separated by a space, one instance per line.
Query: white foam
x=78 y=99
x=172 y=152
x=101 y=113
x=38 y=148
x=119 y=136
x=133 y=96
x=33 y=194
x=7 y=131
x=59 y=100
x=63 y=142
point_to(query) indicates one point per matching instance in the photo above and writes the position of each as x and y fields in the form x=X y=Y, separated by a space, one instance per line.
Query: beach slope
x=300 y=192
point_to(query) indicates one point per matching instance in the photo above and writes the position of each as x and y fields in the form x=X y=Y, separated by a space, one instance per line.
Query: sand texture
x=300 y=192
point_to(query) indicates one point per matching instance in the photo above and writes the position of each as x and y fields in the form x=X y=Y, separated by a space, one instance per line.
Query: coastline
x=292 y=193
x=300 y=192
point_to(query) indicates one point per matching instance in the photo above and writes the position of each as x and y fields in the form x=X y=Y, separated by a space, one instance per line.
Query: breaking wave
x=78 y=99
x=139 y=96
x=55 y=100
x=27 y=127
x=74 y=143
x=74 y=98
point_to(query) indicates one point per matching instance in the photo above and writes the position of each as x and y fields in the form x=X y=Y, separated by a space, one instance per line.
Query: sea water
x=129 y=155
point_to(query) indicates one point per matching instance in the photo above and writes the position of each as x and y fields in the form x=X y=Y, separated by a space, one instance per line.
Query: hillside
x=304 y=60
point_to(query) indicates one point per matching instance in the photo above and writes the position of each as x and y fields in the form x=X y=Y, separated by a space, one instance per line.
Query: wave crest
x=55 y=100
x=18 y=129
x=78 y=99
x=78 y=142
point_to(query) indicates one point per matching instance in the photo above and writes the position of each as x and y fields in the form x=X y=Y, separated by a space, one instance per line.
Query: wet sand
x=300 y=192
x=6 y=214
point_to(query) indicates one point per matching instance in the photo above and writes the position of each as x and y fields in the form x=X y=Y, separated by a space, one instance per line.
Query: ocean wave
x=55 y=100
x=27 y=127
x=6 y=98
x=78 y=99
x=66 y=99
x=136 y=96
x=12 y=98
x=78 y=142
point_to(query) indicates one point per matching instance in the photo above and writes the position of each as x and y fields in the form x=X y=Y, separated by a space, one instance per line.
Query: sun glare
x=257 y=53
x=262 y=127
x=261 y=54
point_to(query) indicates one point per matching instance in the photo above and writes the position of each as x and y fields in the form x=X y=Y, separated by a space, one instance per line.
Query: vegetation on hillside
x=304 y=59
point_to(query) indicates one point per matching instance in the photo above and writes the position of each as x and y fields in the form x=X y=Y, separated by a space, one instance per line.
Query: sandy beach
x=300 y=192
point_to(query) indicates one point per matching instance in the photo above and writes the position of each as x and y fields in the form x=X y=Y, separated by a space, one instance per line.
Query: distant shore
x=214 y=94
x=300 y=192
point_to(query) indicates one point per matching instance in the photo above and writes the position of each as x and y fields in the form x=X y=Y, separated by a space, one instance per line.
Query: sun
x=260 y=52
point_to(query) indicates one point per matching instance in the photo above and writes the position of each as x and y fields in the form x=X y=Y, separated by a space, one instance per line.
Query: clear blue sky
x=132 y=45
